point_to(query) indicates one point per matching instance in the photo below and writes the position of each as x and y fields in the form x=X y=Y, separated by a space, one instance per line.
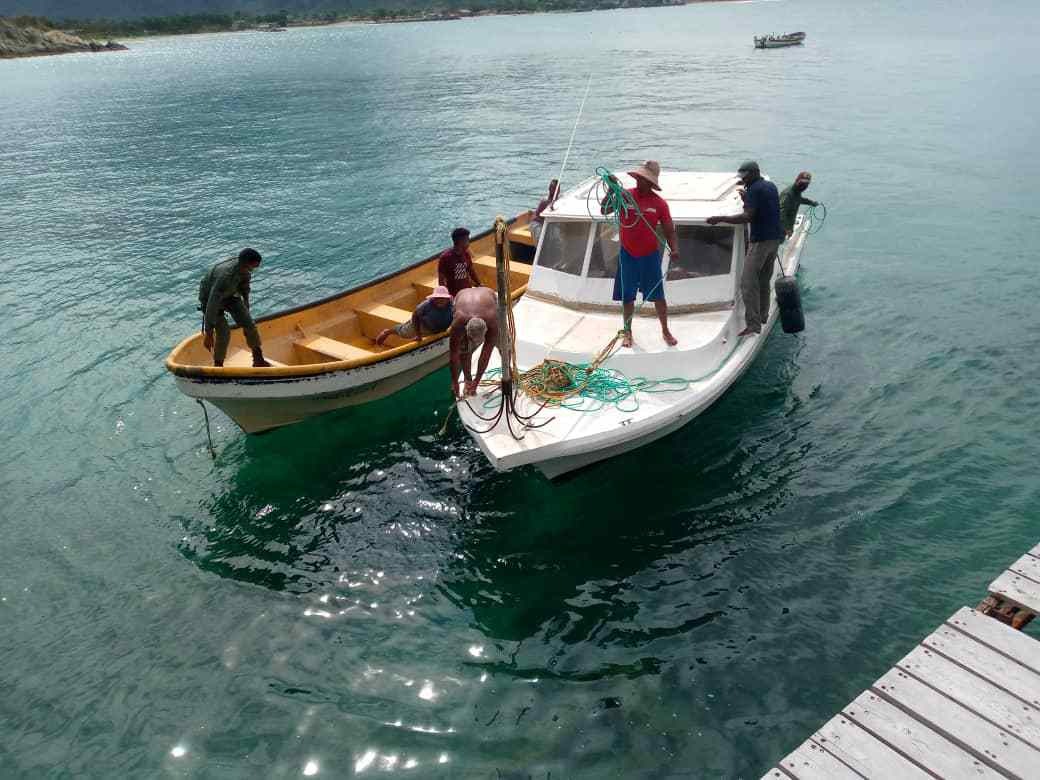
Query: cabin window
x=605 y=246
x=563 y=246
x=704 y=250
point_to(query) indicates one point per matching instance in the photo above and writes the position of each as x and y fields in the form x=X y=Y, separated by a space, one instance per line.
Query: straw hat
x=439 y=292
x=649 y=170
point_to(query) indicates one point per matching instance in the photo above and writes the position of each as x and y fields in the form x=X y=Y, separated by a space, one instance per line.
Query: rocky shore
x=17 y=41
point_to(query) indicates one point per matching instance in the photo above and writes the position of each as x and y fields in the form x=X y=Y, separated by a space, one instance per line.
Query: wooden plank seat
x=520 y=269
x=332 y=348
x=521 y=235
x=425 y=287
x=378 y=316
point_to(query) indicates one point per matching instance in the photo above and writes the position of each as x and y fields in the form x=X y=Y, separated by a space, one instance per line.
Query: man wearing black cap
x=455 y=267
x=762 y=212
x=225 y=288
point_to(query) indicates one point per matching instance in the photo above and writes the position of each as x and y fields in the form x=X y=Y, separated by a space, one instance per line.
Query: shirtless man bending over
x=475 y=324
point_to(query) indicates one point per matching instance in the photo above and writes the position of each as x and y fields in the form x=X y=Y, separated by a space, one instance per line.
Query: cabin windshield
x=563 y=246
x=577 y=261
x=605 y=246
x=703 y=251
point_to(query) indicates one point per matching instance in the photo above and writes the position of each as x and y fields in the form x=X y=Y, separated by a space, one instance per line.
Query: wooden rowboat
x=323 y=355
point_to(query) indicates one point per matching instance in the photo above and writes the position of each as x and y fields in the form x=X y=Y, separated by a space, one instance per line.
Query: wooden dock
x=965 y=703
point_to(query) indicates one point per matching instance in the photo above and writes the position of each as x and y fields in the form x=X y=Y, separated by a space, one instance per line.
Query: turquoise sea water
x=356 y=596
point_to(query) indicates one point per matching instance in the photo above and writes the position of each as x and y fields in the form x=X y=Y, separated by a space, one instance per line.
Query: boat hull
x=262 y=406
x=557 y=467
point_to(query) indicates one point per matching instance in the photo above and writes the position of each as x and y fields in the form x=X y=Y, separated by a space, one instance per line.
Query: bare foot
x=669 y=339
x=626 y=340
x=383 y=336
x=747 y=332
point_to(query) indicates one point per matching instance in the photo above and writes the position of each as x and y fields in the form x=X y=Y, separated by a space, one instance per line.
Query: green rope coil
x=603 y=387
x=816 y=219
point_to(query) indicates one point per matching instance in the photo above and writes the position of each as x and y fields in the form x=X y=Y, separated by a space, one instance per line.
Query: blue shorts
x=638 y=274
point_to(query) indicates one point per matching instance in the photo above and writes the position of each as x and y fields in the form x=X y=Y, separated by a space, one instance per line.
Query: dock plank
x=858 y=749
x=911 y=737
x=1018 y=590
x=998 y=636
x=1028 y=567
x=986 y=663
x=975 y=693
x=811 y=762
x=991 y=744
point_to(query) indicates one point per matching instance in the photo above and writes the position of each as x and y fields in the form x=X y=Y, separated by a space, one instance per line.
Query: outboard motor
x=789 y=301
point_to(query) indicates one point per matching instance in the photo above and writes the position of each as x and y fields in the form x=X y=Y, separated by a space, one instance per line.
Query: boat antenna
x=563 y=167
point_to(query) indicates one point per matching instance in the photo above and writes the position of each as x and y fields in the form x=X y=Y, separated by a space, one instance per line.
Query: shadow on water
x=530 y=547
x=304 y=504
x=289 y=496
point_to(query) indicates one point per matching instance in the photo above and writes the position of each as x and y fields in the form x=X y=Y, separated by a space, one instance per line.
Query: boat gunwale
x=232 y=373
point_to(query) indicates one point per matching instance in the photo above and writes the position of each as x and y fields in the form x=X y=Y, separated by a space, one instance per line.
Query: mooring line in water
x=447 y=419
x=570 y=144
x=209 y=437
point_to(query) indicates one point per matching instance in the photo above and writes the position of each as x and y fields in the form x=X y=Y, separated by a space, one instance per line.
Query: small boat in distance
x=323 y=354
x=779 y=41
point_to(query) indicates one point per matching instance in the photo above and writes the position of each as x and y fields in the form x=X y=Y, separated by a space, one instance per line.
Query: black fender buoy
x=789 y=301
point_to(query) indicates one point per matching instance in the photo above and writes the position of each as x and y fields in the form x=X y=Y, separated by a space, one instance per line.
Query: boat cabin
x=577 y=254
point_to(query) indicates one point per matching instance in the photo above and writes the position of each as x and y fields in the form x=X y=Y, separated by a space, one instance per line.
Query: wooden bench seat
x=522 y=270
x=378 y=316
x=338 y=350
x=522 y=235
x=425 y=287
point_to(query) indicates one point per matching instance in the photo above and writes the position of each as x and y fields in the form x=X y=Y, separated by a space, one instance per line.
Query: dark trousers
x=238 y=310
x=754 y=282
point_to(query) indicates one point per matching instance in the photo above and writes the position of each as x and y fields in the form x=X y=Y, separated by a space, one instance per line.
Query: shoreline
x=91 y=46
x=19 y=42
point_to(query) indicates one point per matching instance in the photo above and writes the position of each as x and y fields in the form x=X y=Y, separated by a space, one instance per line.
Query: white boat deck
x=712 y=358
x=965 y=703
x=558 y=333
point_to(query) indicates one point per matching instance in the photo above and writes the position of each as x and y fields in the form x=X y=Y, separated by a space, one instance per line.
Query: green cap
x=750 y=165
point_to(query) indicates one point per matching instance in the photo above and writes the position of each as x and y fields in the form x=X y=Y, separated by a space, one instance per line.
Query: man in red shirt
x=639 y=259
x=455 y=268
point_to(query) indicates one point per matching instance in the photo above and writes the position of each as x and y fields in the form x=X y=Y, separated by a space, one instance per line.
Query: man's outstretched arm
x=739 y=219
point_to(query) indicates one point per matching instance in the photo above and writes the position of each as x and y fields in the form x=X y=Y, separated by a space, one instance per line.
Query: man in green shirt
x=791 y=199
x=225 y=288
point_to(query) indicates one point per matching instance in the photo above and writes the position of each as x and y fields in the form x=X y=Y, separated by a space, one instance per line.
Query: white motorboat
x=567 y=315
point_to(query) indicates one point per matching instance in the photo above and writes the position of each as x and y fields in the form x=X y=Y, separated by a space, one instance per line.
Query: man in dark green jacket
x=791 y=199
x=225 y=288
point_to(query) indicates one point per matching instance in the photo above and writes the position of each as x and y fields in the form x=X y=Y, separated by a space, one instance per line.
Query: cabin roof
x=691 y=196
